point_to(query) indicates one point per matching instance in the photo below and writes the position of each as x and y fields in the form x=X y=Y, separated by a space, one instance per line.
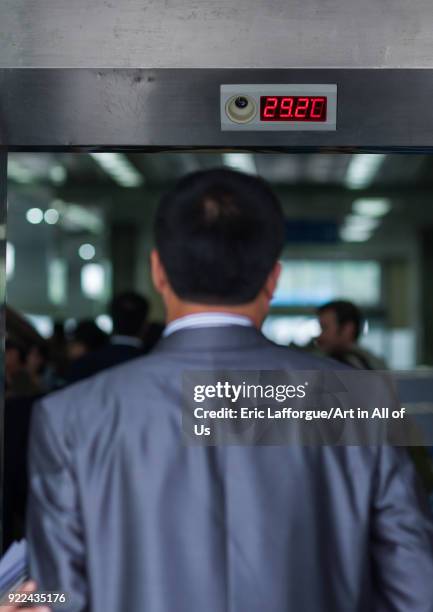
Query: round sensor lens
x=241 y=102
x=241 y=108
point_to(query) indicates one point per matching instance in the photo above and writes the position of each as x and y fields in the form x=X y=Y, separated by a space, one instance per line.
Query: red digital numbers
x=270 y=107
x=293 y=108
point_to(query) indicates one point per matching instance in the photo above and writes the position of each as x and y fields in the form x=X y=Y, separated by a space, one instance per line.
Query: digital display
x=293 y=108
x=278 y=107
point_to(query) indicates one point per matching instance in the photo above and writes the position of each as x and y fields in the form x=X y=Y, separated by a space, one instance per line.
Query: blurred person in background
x=26 y=361
x=29 y=375
x=86 y=338
x=153 y=333
x=341 y=323
x=15 y=358
x=83 y=343
x=18 y=381
x=129 y=312
x=37 y=365
x=58 y=353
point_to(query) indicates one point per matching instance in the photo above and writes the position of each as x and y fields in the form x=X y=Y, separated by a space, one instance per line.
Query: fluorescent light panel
x=74 y=216
x=19 y=173
x=57 y=281
x=357 y=228
x=350 y=234
x=119 y=168
x=359 y=222
x=244 y=162
x=362 y=169
x=371 y=207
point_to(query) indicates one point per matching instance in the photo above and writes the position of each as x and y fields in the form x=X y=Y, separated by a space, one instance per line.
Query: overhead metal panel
x=223 y=34
x=181 y=108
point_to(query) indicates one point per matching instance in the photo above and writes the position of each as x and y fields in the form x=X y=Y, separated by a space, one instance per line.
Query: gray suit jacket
x=126 y=518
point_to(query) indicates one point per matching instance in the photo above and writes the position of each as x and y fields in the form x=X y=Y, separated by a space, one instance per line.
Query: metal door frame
x=82 y=110
x=3 y=195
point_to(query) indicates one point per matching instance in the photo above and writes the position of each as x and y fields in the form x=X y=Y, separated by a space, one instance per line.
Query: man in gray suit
x=124 y=516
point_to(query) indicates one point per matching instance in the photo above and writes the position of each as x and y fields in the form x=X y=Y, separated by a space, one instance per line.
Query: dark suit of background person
x=129 y=312
x=125 y=516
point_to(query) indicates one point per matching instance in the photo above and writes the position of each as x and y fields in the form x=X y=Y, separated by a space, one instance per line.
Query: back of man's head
x=129 y=312
x=219 y=234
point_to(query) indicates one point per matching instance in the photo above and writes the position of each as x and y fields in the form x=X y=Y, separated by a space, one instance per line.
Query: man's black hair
x=129 y=312
x=219 y=233
x=88 y=333
x=345 y=312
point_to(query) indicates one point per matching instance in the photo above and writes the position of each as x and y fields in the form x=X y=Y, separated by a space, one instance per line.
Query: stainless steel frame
x=64 y=109
x=3 y=194
x=151 y=109
x=209 y=34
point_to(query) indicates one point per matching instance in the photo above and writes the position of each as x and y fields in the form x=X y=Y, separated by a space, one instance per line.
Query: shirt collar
x=206 y=319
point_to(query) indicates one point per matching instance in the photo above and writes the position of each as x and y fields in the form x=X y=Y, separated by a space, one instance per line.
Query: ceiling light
x=361 y=223
x=57 y=174
x=86 y=251
x=243 y=162
x=357 y=228
x=10 y=260
x=19 y=173
x=57 y=281
x=76 y=217
x=362 y=169
x=93 y=280
x=119 y=168
x=34 y=215
x=51 y=216
x=372 y=207
x=350 y=234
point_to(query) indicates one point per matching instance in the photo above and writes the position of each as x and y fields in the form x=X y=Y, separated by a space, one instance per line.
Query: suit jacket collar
x=229 y=337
